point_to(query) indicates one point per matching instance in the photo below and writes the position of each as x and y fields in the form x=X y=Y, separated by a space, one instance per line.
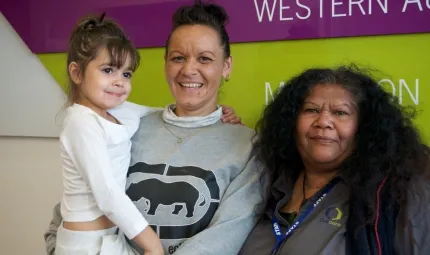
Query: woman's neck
x=170 y=116
x=306 y=186
x=315 y=180
x=198 y=112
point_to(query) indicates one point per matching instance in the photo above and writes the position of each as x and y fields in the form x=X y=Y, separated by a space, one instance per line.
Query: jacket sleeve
x=237 y=214
x=51 y=234
x=413 y=223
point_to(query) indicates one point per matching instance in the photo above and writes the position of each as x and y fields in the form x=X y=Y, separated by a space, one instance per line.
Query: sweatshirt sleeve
x=84 y=141
x=51 y=234
x=235 y=218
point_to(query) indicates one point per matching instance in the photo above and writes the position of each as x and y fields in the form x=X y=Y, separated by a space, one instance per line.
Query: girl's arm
x=137 y=109
x=229 y=115
x=84 y=141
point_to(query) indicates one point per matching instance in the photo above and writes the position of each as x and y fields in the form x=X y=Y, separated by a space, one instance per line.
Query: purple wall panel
x=46 y=24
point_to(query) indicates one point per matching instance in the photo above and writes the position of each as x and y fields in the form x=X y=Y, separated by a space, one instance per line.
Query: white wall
x=30 y=173
x=30 y=98
x=30 y=185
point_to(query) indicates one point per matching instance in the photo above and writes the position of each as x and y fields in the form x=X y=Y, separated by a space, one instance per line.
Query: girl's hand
x=229 y=116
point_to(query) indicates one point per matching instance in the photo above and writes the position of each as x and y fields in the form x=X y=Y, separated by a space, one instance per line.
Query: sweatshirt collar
x=170 y=117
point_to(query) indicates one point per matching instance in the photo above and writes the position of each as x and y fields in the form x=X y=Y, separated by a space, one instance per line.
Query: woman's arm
x=239 y=211
x=413 y=226
x=51 y=234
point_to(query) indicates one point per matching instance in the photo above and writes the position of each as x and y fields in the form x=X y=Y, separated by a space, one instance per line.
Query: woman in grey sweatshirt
x=193 y=178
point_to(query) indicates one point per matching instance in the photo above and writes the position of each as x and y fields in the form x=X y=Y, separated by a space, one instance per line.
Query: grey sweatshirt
x=323 y=231
x=195 y=181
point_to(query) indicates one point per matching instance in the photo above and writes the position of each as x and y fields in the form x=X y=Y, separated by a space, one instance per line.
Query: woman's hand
x=229 y=116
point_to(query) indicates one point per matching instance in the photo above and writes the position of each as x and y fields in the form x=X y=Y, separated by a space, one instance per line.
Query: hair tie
x=102 y=17
x=90 y=24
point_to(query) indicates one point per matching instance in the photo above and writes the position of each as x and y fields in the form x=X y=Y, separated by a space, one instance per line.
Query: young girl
x=95 y=144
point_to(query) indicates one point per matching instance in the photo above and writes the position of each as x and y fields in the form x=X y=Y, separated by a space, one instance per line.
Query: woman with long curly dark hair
x=347 y=169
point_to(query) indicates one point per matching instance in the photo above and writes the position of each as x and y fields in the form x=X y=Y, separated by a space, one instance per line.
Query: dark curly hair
x=386 y=143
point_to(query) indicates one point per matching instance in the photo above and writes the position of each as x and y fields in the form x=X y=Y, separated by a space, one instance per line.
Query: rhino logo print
x=187 y=198
x=171 y=187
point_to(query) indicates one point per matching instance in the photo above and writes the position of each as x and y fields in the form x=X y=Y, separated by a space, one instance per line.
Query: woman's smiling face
x=195 y=65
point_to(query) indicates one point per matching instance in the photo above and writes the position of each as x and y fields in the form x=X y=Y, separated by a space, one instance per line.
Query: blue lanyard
x=275 y=223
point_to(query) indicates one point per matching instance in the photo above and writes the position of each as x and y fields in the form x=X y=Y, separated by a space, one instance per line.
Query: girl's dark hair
x=211 y=15
x=92 y=34
x=387 y=144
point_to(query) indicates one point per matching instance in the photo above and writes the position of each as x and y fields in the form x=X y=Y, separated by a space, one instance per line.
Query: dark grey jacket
x=323 y=232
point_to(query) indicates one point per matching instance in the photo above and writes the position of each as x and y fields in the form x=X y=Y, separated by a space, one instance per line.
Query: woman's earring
x=227 y=78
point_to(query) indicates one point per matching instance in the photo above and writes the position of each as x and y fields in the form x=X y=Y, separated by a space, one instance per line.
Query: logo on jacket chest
x=333 y=216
